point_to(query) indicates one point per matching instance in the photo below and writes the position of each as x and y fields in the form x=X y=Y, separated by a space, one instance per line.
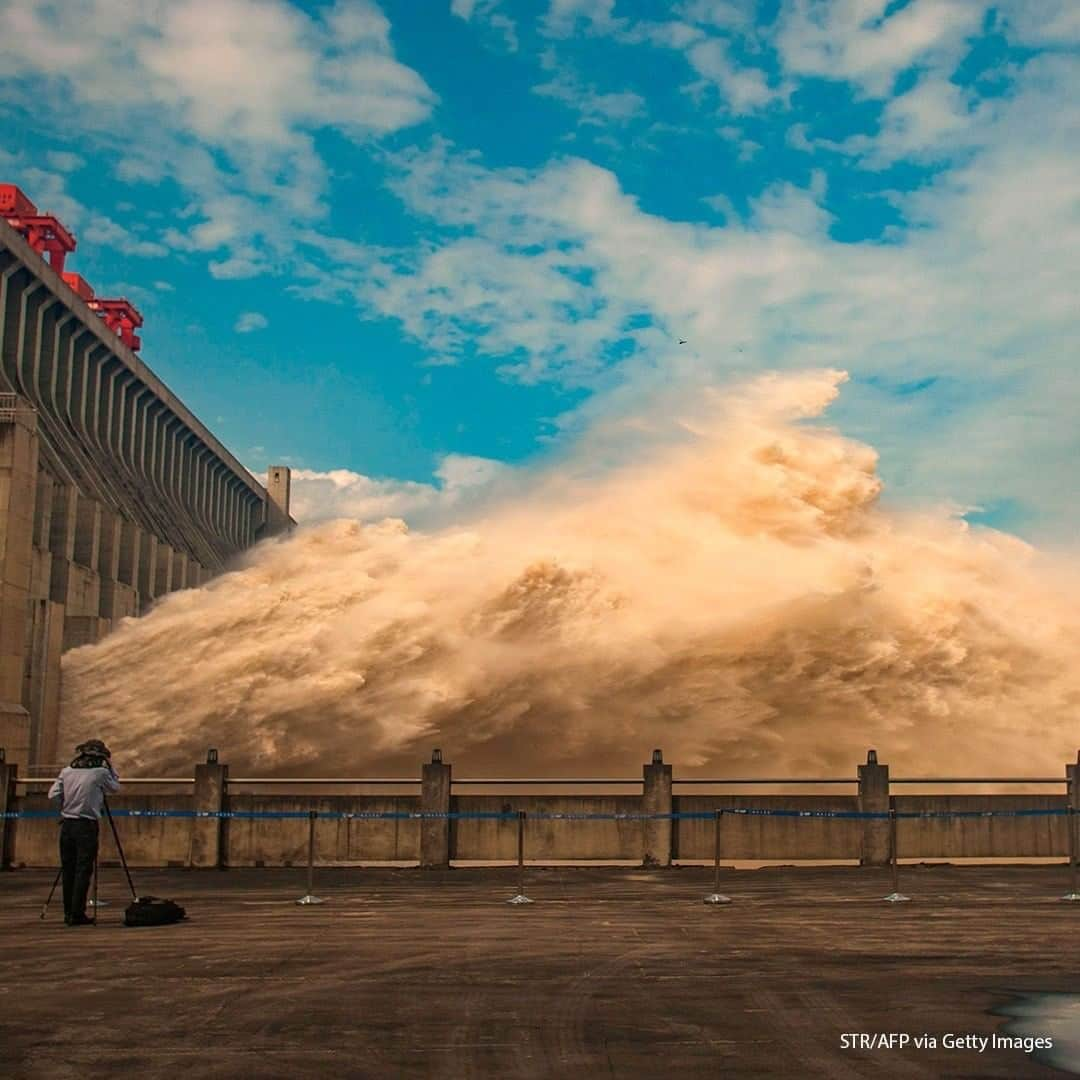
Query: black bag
x=151 y=911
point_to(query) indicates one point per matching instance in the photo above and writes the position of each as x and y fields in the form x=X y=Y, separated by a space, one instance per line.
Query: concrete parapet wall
x=751 y=837
x=971 y=838
x=491 y=840
x=595 y=833
x=283 y=842
x=147 y=841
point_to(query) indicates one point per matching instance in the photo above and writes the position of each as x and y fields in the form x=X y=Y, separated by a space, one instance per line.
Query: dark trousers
x=78 y=853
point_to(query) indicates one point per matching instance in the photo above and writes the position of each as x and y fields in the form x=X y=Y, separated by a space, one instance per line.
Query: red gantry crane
x=48 y=237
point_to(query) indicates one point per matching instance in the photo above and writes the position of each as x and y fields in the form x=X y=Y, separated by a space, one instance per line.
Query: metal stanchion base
x=896 y=898
x=97 y=903
x=309 y=899
x=521 y=898
x=716 y=898
x=1071 y=896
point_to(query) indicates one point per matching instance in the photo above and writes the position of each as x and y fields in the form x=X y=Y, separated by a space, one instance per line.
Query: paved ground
x=613 y=972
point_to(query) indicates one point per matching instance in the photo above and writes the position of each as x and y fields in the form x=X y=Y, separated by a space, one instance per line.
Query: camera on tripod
x=92 y=754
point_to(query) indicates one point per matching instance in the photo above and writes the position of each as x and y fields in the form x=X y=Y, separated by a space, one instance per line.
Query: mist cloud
x=735 y=593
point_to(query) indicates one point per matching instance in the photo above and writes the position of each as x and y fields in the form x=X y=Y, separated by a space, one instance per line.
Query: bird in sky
x=681 y=341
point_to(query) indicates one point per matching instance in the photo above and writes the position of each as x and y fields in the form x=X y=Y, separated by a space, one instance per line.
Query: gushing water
x=734 y=595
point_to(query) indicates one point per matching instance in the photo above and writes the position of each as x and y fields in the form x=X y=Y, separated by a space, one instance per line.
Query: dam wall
x=112 y=493
x=436 y=821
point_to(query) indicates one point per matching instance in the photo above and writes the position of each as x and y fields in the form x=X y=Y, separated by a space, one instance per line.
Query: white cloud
x=486 y=13
x=342 y=493
x=591 y=105
x=251 y=320
x=783 y=207
x=1049 y=22
x=223 y=70
x=861 y=42
x=742 y=88
x=563 y=17
x=103 y=231
x=561 y=265
x=723 y=13
x=703 y=32
x=224 y=97
x=933 y=119
x=64 y=161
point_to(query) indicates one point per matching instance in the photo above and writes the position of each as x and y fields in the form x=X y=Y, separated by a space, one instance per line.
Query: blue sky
x=405 y=246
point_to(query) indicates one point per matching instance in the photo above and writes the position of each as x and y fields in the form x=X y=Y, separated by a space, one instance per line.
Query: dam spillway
x=112 y=493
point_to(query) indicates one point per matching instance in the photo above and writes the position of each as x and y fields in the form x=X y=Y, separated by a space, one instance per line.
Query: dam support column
x=435 y=800
x=209 y=834
x=874 y=798
x=9 y=772
x=656 y=799
x=163 y=570
x=147 y=582
x=18 y=496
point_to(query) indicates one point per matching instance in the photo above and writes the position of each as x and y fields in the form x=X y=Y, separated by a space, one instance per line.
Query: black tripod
x=119 y=848
x=56 y=881
x=123 y=863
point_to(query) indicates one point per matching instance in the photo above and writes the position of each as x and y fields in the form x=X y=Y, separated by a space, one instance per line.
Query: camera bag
x=152 y=911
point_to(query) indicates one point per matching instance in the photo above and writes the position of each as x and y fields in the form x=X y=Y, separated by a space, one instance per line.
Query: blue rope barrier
x=700 y=815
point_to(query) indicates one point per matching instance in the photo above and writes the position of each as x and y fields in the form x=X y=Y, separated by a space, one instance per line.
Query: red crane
x=121 y=317
x=47 y=236
x=43 y=232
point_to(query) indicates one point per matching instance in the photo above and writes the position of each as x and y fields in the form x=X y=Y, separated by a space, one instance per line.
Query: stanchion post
x=209 y=797
x=520 y=897
x=896 y=896
x=9 y=772
x=1072 y=823
x=309 y=897
x=716 y=896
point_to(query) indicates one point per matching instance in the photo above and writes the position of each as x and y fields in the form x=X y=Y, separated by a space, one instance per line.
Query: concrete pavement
x=613 y=972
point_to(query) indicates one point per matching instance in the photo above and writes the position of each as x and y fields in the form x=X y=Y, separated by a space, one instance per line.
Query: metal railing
x=373 y=780
x=976 y=780
x=125 y=780
x=557 y=781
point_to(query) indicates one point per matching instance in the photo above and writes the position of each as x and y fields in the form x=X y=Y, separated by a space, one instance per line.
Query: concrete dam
x=112 y=493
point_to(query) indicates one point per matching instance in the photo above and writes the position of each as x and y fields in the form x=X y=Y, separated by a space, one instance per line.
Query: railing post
x=874 y=798
x=208 y=847
x=1072 y=823
x=656 y=799
x=435 y=800
x=9 y=771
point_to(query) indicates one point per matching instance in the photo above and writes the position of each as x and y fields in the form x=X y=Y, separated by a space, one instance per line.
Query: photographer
x=81 y=789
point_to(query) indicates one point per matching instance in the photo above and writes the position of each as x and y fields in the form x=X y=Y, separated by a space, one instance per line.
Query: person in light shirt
x=81 y=789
